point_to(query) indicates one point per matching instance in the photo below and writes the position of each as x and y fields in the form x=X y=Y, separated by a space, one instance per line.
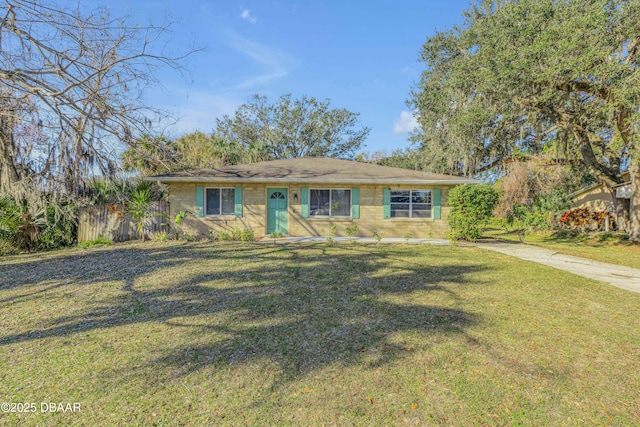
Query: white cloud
x=201 y=108
x=194 y=108
x=246 y=15
x=407 y=70
x=197 y=106
x=275 y=64
x=405 y=123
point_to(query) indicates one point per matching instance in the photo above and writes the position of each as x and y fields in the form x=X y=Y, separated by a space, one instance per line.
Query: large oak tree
x=528 y=77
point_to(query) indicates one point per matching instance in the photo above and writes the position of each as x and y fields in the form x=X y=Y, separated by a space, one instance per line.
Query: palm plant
x=29 y=230
x=139 y=207
x=20 y=227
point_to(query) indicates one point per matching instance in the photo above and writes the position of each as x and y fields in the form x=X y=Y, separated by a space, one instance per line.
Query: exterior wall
x=183 y=197
x=371 y=216
x=596 y=199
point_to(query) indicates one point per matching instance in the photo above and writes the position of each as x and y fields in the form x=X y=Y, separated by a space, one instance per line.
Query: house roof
x=317 y=170
x=626 y=178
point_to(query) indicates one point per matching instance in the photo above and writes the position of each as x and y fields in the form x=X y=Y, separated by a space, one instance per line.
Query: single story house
x=597 y=198
x=312 y=196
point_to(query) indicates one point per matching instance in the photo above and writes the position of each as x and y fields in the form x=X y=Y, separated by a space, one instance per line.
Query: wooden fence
x=111 y=222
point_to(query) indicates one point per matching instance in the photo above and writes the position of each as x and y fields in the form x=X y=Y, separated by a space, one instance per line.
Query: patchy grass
x=100 y=241
x=191 y=334
x=603 y=247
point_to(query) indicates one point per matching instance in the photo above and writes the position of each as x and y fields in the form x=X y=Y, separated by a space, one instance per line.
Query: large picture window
x=410 y=203
x=331 y=203
x=220 y=201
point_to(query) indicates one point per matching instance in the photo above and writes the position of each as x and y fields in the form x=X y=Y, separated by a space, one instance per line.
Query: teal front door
x=277 y=217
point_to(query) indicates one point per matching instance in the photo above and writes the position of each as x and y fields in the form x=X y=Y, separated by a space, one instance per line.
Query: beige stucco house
x=308 y=196
x=597 y=198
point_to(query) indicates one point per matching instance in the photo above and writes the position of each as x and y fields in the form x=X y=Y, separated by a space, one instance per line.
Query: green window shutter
x=238 y=206
x=386 y=210
x=199 y=200
x=304 y=201
x=436 y=203
x=355 y=203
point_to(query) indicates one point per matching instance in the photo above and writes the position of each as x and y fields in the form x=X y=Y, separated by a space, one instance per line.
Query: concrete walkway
x=616 y=275
x=441 y=242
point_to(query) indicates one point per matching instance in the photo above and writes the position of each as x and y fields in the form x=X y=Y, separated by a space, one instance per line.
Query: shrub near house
x=586 y=220
x=471 y=209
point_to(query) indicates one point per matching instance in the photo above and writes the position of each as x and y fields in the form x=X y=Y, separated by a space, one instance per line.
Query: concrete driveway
x=616 y=275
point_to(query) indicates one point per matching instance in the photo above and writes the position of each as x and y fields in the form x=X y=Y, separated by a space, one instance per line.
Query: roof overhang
x=593 y=186
x=622 y=184
x=312 y=181
x=583 y=190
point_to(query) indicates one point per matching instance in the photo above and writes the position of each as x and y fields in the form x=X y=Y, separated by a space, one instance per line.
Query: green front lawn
x=599 y=247
x=197 y=334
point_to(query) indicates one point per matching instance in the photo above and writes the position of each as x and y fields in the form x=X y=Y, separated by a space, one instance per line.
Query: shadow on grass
x=124 y=262
x=600 y=238
x=302 y=308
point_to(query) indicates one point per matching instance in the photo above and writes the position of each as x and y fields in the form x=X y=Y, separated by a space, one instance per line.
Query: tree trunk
x=621 y=209
x=634 y=209
x=606 y=177
x=602 y=173
x=8 y=171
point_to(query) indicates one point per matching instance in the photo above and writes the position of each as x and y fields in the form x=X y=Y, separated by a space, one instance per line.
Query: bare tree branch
x=75 y=79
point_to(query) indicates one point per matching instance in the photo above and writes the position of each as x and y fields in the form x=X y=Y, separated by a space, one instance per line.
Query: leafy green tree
x=151 y=155
x=528 y=77
x=409 y=158
x=292 y=128
x=258 y=131
x=471 y=209
x=200 y=151
x=196 y=150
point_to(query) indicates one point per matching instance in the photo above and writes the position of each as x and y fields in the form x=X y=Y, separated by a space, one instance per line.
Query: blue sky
x=360 y=55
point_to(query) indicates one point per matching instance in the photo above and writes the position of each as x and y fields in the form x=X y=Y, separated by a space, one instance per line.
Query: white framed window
x=334 y=202
x=219 y=201
x=411 y=204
